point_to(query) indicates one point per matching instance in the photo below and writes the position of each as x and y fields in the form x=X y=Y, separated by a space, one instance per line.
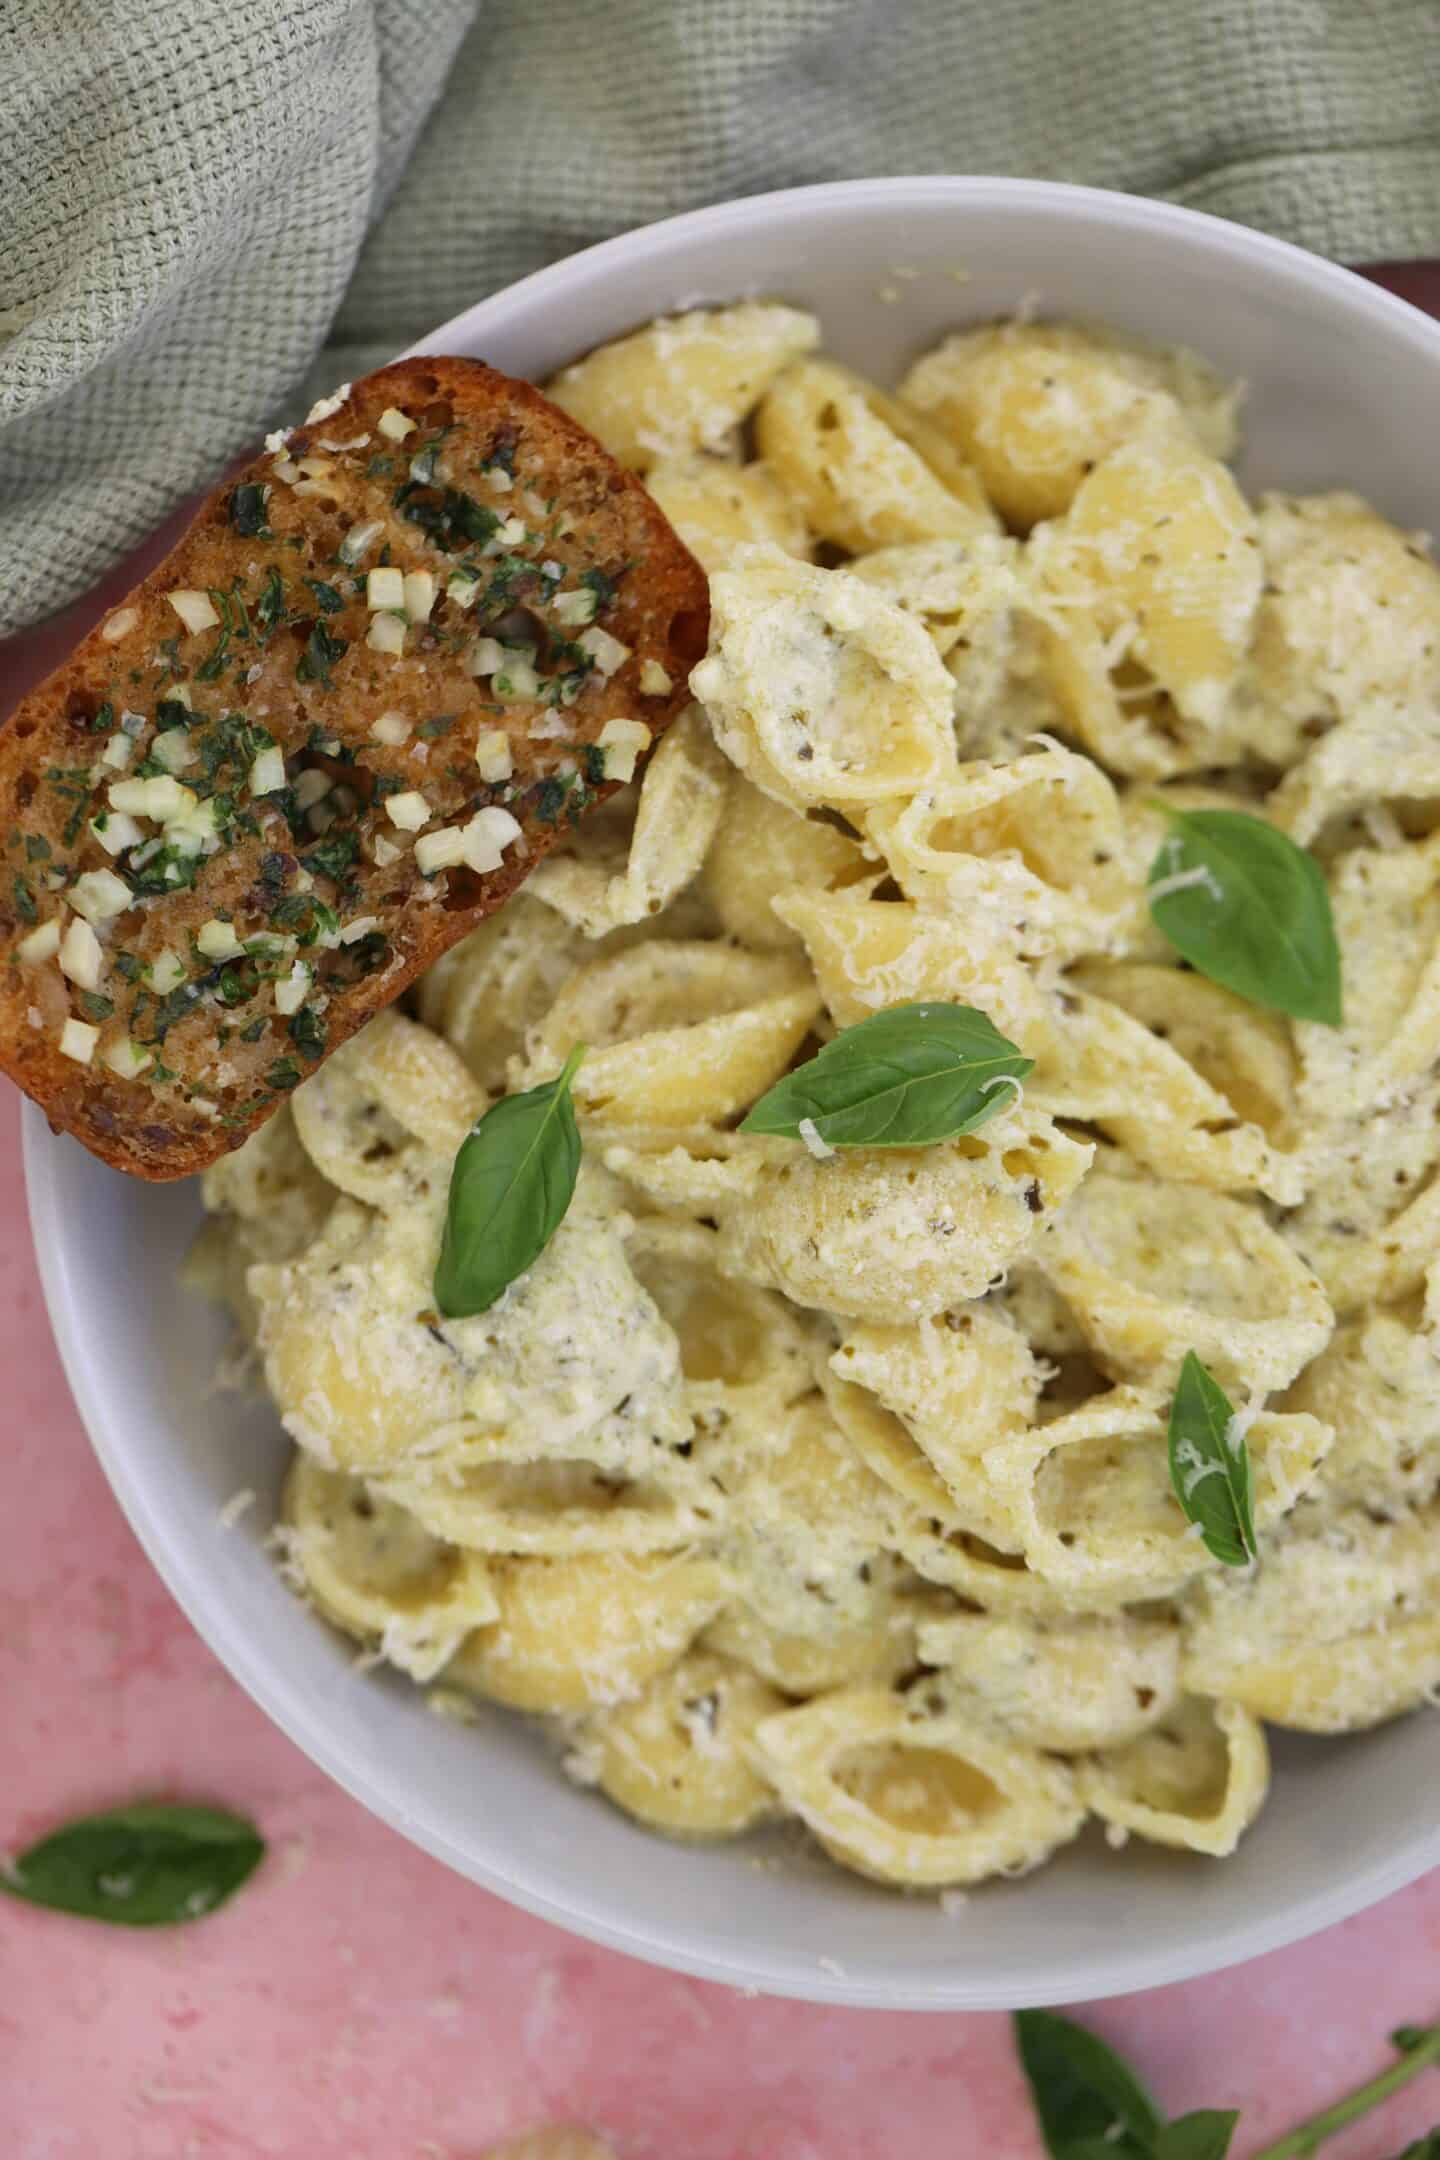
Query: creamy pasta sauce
x=836 y=1486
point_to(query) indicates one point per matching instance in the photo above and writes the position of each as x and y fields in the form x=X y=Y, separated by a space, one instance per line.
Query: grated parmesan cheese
x=1186 y=881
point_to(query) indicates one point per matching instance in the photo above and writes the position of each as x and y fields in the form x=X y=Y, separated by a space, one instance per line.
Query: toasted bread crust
x=508 y=492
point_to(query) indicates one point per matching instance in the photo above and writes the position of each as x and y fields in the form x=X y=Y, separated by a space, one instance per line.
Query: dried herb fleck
x=247 y=511
x=321 y=654
x=307 y=1032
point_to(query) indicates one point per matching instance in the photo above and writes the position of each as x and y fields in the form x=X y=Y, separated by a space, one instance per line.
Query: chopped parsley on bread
x=386 y=669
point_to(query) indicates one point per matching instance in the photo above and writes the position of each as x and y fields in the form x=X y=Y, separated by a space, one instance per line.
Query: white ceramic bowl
x=1344 y=389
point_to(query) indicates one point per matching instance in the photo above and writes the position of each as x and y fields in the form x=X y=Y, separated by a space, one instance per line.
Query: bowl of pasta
x=949 y=1517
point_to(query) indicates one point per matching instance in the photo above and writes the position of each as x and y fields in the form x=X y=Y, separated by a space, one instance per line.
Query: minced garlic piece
x=409 y=811
x=419 y=591
x=40 y=945
x=195 y=609
x=127 y=1058
x=385 y=587
x=622 y=743
x=493 y=755
x=77 y=1041
x=100 y=894
x=607 y=652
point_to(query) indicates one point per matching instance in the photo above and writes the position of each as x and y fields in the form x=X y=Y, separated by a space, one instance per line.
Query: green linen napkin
x=207 y=206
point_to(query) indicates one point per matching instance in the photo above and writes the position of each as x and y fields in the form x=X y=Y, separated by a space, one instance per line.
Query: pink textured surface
x=358 y=2002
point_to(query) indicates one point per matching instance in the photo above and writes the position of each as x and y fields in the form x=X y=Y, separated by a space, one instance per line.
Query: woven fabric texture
x=209 y=208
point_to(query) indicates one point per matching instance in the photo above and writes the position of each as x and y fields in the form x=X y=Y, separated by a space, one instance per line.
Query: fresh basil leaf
x=1425 y=2148
x=1087 y=2099
x=1210 y=1467
x=513 y=1180
x=1205 y=2135
x=146 y=1866
x=1256 y=917
x=903 y=1078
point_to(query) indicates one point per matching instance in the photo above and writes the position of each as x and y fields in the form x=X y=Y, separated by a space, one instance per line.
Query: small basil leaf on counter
x=1092 y=2107
x=1205 y=2135
x=514 y=1178
x=903 y=1078
x=1210 y=1467
x=1089 y=2102
x=147 y=1866
x=1249 y=909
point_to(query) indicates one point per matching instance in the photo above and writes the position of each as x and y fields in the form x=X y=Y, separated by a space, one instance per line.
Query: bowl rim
x=1064 y=200
x=1098 y=1969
